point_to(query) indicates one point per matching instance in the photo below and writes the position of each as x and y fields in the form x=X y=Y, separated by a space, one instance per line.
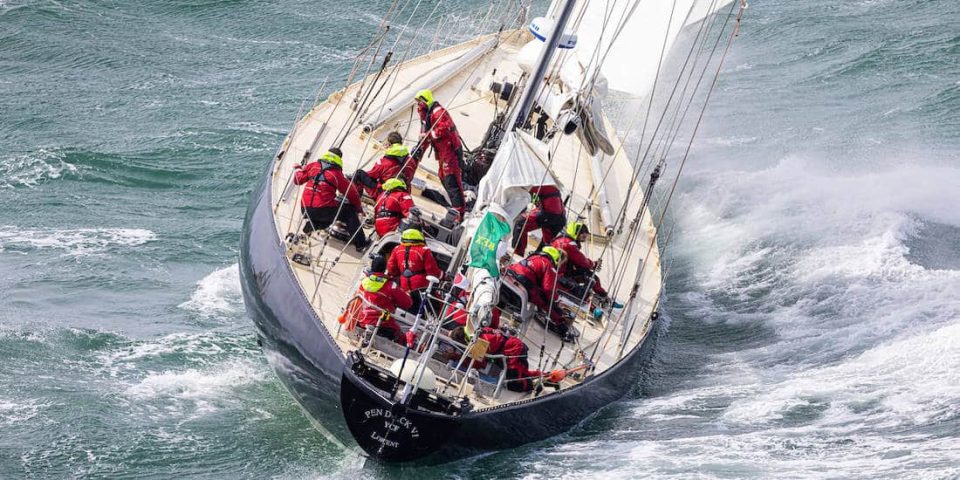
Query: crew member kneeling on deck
x=548 y=215
x=437 y=129
x=578 y=268
x=411 y=262
x=392 y=207
x=319 y=204
x=538 y=275
x=395 y=163
x=520 y=378
x=381 y=297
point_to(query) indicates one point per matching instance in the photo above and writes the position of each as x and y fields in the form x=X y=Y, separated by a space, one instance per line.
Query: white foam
x=199 y=347
x=13 y=412
x=907 y=382
x=218 y=294
x=859 y=371
x=74 y=242
x=31 y=169
x=195 y=392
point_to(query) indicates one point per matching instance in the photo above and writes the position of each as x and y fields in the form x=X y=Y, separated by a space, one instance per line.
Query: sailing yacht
x=528 y=101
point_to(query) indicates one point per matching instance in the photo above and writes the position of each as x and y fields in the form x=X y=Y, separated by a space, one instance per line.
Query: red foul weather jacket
x=388 y=298
x=440 y=131
x=549 y=199
x=411 y=263
x=322 y=184
x=574 y=255
x=390 y=210
x=393 y=167
x=512 y=347
x=538 y=275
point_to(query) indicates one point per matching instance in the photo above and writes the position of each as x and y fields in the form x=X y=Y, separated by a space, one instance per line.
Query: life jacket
x=410 y=270
x=426 y=117
x=382 y=297
x=321 y=176
x=390 y=210
x=383 y=207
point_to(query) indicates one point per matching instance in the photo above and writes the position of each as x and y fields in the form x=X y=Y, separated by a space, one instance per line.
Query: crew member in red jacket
x=322 y=180
x=381 y=297
x=548 y=215
x=392 y=207
x=538 y=275
x=519 y=375
x=411 y=262
x=395 y=163
x=437 y=129
x=578 y=267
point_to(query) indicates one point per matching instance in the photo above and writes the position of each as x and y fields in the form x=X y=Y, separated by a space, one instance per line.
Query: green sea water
x=812 y=312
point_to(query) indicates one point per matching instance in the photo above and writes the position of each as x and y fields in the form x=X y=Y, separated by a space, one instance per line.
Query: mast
x=526 y=102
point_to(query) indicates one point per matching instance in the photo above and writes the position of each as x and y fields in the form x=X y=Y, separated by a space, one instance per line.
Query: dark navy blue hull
x=299 y=348
x=311 y=365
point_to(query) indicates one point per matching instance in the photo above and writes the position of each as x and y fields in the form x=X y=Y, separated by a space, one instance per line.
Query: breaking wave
x=195 y=392
x=217 y=295
x=29 y=170
x=73 y=242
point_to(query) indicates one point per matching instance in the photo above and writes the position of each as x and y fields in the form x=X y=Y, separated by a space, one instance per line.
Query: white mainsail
x=627 y=41
x=636 y=32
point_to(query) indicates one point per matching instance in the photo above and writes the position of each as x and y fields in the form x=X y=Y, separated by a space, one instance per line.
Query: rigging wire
x=733 y=34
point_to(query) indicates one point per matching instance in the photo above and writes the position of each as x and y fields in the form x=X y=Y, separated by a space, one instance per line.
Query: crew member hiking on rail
x=538 y=275
x=319 y=203
x=395 y=163
x=381 y=297
x=519 y=376
x=578 y=269
x=392 y=207
x=437 y=129
x=411 y=262
x=548 y=215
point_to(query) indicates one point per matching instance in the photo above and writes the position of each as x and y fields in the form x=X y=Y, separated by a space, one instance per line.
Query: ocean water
x=812 y=315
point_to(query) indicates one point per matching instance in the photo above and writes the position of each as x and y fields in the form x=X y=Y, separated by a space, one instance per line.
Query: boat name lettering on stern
x=392 y=423
x=384 y=441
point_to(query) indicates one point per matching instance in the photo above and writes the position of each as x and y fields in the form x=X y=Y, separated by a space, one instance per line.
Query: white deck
x=467 y=97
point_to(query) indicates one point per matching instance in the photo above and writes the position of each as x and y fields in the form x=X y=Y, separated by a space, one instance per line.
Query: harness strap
x=321 y=177
x=407 y=272
x=384 y=212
